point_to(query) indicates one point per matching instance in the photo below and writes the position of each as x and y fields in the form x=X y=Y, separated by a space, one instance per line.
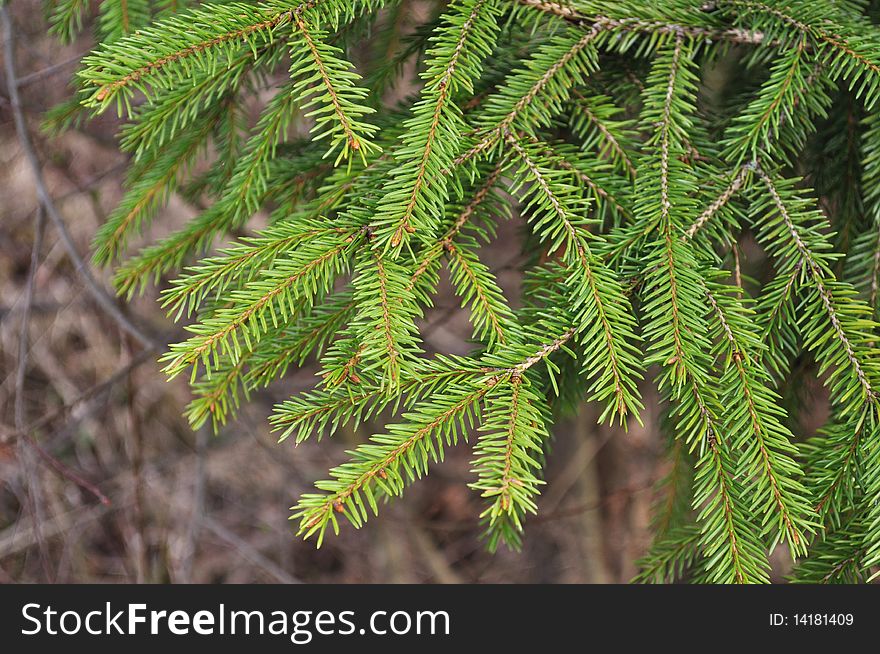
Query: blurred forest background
x=102 y=480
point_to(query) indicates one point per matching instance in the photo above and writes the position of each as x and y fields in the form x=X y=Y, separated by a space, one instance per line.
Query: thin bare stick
x=95 y=290
x=48 y=71
x=640 y=25
x=735 y=185
x=31 y=479
x=198 y=506
x=433 y=558
x=21 y=369
x=33 y=496
x=21 y=536
x=135 y=445
x=66 y=472
x=248 y=551
x=83 y=398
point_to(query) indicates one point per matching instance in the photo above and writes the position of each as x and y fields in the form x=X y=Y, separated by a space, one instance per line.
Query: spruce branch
x=243 y=192
x=476 y=286
x=674 y=506
x=737 y=557
x=770 y=124
x=428 y=259
x=676 y=328
x=218 y=394
x=819 y=276
x=855 y=59
x=216 y=274
x=325 y=410
x=116 y=19
x=777 y=311
x=737 y=183
x=598 y=302
x=153 y=56
x=606 y=190
x=534 y=94
x=337 y=110
x=757 y=424
x=832 y=459
x=671 y=558
x=613 y=139
x=66 y=19
x=639 y=145
x=150 y=183
x=291 y=285
x=507 y=461
x=646 y=23
x=417 y=191
x=384 y=465
x=864 y=259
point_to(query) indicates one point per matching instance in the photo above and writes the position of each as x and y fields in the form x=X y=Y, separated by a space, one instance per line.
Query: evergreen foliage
x=657 y=154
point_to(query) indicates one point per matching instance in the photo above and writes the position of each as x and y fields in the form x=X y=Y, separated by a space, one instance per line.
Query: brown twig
x=135 y=443
x=83 y=398
x=64 y=471
x=198 y=506
x=641 y=25
x=48 y=71
x=248 y=551
x=95 y=290
x=31 y=479
x=21 y=369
